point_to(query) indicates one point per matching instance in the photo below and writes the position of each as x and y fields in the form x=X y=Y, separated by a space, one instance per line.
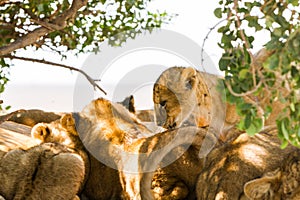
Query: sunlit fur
x=186 y=96
x=282 y=183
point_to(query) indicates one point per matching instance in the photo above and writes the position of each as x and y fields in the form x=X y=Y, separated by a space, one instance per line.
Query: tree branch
x=90 y=79
x=59 y=23
x=206 y=38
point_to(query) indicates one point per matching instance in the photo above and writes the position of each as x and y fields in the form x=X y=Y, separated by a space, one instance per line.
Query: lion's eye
x=189 y=85
x=163 y=103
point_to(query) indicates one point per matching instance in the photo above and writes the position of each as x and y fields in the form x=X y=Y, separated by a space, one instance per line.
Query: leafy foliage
x=276 y=77
x=92 y=24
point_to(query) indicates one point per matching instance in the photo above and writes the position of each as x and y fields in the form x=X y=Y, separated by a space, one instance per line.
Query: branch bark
x=90 y=79
x=59 y=23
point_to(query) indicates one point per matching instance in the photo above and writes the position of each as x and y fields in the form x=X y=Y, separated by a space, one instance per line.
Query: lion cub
x=61 y=131
x=186 y=96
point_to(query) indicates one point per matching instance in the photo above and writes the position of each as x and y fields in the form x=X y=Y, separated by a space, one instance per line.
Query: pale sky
x=51 y=88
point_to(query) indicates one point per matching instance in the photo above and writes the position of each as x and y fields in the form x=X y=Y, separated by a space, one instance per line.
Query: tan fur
x=113 y=131
x=101 y=182
x=181 y=175
x=47 y=171
x=146 y=115
x=115 y=123
x=128 y=103
x=100 y=122
x=185 y=95
x=228 y=167
x=102 y=119
x=62 y=131
x=282 y=183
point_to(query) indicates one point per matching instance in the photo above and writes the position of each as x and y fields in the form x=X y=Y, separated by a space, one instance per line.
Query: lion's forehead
x=57 y=130
x=171 y=79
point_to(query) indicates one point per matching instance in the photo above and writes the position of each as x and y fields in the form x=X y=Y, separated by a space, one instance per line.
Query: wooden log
x=14 y=135
x=30 y=117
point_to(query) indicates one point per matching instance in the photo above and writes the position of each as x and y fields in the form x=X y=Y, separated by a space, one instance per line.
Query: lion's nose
x=163 y=103
x=171 y=126
x=159 y=123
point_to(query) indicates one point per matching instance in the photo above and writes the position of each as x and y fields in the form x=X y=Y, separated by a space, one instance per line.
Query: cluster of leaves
x=93 y=23
x=276 y=76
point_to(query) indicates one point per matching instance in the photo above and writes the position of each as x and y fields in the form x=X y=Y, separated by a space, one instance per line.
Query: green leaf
x=224 y=63
x=2 y=87
x=223 y=29
x=252 y=130
x=277 y=32
x=218 y=12
x=255 y=126
x=243 y=73
x=269 y=21
x=273 y=61
x=241 y=125
x=292 y=106
x=40 y=7
x=284 y=144
x=247 y=121
x=284 y=131
x=282 y=21
x=253 y=22
x=293 y=2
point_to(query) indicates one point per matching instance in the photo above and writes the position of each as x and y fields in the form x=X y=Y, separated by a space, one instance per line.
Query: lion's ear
x=257 y=188
x=68 y=122
x=188 y=77
x=156 y=93
x=128 y=103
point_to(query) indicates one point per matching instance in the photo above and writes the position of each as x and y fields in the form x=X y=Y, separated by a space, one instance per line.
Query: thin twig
x=247 y=97
x=244 y=93
x=90 y=79
x=206 y=38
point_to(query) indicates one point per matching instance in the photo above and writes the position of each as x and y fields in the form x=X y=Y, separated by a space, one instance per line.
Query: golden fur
x=100 y=181
x=100 y=121
x=48 y=171
x=282 y=183
x=187 y=96
x=229 y=167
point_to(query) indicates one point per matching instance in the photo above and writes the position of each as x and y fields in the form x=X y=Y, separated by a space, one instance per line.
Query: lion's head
x=181 y=95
